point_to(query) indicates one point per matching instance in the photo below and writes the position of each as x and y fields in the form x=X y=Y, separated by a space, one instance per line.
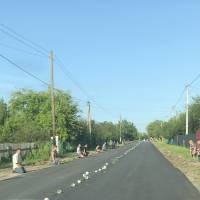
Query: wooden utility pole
x=120 y=130
x=187 y=110
x=52 y=94
x=89 y=120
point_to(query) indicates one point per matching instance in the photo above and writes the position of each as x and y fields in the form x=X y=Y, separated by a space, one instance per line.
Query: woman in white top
x=79 y=152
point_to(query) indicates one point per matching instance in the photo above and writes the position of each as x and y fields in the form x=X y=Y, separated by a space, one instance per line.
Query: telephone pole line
x=187 y=110
x=120 y=130
x=52 y=94
x=89 y=120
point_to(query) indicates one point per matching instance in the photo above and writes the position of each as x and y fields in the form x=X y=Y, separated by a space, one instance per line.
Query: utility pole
x=89 y=121
x=120 y=130
x=161 y=125
x=187 y=110
x=52 y=94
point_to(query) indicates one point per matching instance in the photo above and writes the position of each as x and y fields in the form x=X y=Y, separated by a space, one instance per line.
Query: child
x=198 y=150
x=192 y=148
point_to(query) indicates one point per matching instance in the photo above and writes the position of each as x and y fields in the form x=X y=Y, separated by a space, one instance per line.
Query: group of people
x=82 y=151
x=195 y=149
x=17 y=160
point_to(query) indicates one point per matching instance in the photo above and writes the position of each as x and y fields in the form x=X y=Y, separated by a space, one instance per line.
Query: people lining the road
x=82 y=151
x=54 y=155
x=192 y=148
x=198 y=150
x=195 y=149
x=79 y=152
x=98 y=149
x=17 y=162
x=85 y=150
x=104 y=146
x=113 y=145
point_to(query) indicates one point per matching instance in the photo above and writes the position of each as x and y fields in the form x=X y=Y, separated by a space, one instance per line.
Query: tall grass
x=177 y=150
x=38 y=155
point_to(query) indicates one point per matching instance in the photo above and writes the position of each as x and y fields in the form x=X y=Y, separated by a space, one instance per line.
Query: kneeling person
x=17 y=162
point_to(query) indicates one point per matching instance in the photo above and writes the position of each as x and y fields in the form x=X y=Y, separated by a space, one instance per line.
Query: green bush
x=42 y=153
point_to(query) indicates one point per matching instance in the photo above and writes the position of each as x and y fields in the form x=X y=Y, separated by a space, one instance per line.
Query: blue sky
x=134 y=57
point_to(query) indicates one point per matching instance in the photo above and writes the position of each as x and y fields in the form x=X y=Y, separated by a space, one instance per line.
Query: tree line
x=176 y=125
x=26 y=117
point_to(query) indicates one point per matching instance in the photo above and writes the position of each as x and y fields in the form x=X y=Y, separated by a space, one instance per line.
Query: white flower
x=73 y=185
x=86 y=173
x=104 y=167
x=59 y=191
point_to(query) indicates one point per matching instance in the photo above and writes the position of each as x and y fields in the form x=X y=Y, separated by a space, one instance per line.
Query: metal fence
x=183 y=140
x=7 y=149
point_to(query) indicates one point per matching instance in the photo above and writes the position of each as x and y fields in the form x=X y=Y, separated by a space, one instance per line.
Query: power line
x=44 y=52
x=32 y=75
x=68 y=74
x=179 y=98
x=22 y=69
x=19 y=50
x=194 y=80
x=24 y=38
x=23 y=42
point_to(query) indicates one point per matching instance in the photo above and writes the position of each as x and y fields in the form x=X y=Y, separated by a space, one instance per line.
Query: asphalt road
x=141 y=174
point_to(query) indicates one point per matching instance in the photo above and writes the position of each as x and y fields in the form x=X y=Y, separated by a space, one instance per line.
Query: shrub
x=42 y=153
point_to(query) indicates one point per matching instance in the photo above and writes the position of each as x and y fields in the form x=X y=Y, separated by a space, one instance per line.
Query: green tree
x=129 y=131
x=3 y=112
x=30 y=116
x=154 y=129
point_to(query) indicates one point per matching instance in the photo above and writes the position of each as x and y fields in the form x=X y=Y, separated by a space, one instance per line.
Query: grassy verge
x=181 y=159
x=176 y=150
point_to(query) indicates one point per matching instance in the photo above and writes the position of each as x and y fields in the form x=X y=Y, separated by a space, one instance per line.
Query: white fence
x=7 y=149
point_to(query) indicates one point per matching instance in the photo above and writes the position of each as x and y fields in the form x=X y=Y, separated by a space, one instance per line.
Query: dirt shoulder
x=181 y=159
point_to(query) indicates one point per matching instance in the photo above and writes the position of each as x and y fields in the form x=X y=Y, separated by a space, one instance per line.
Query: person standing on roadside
x=198 y=150
x=192 y=148
x=104 y=146
x=17 y=162
x=79 y=152
x=54 y=155
x=85 y=150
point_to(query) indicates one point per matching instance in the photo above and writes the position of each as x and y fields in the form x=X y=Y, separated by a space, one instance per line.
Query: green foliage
x=42 y=153
x=177 y=150
x=176 y=125
x=3 y=112
x=30 y=116
x=154 y=128
x=129 y=131
x=27 y=118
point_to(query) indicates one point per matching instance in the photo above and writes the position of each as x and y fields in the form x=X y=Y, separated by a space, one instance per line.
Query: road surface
x=140 y=174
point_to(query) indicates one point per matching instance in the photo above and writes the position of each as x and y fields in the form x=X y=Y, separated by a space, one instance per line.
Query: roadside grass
x=177 y=150
x=38 y=155
x=181 y=159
